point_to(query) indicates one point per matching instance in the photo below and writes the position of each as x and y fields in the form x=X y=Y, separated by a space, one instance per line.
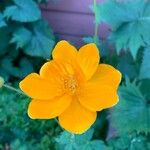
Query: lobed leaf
x=130 y=23
x=133 y=111
x=23 y=11
x=130 y=141
x=84 y=142
x=35 y=41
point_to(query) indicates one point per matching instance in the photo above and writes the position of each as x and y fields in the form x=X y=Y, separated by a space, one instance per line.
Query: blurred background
x=29 y=29
x=72 y=20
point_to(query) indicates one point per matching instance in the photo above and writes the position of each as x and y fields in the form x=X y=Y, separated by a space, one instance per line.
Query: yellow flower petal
x=64 y=51
x=72 y=87
x=88 y=59
x=55 y=70
x=107 y=75
x=47 y=109
x=49 y=70
x=39 y=88
x=76 y=118
x=96 y=97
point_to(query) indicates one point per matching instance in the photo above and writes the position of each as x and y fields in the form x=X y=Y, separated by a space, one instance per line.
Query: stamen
x=70 y=84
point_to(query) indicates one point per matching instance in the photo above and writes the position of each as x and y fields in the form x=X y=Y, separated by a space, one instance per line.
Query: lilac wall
x=72 y=19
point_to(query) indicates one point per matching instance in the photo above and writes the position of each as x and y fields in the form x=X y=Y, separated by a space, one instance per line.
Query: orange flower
x=73 y=87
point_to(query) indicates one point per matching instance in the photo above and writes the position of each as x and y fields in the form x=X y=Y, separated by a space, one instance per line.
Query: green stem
x=96 y=24
x=13 y=89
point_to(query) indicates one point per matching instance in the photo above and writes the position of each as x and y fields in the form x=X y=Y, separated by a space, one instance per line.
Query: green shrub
x=25 y=41
x=24 y=36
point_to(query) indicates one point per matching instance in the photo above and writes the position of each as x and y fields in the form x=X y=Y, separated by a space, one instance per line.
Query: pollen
x=70 y=84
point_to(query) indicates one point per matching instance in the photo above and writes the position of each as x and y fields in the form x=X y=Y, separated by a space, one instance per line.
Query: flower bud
x=1 y=81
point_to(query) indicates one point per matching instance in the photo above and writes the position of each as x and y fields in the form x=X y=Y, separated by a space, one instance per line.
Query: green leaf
x=25 y=67
x=4 y=40
x=21 y=37
x=4 y=74
x=67 y=140
x=121 y=142
x=88 y=39
x=18 y=129
x=16 y=144
x=138 y=143
x=93 y=145
x=130 y=141
x=133 y=110
x=35 y=41
x=145 y=66
x=83 y=142
x=127 y=66
x=145 y=88
x=23 y=11
x=130 y=23
x=2 y=22
x=42 y=41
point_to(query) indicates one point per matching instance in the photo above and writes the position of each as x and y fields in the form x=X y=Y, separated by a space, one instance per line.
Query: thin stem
x=96 y=24
x=13 y=89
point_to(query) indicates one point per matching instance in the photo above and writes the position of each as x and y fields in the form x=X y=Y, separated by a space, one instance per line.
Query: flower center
x=70 y=84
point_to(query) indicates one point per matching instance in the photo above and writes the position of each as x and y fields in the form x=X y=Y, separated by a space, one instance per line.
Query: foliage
x=145 y=66
x=35 y=42
x=23 y=35
x=131 y=141
x=130 y=24
x=26 y=40
x=2 y=22
x=68 y=141
x=129 y=31
x=133 y=110
x=129 y=121
x=27 y=11
x=20 y=132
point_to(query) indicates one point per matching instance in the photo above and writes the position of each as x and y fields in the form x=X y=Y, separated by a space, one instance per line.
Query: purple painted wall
x=72 y=19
